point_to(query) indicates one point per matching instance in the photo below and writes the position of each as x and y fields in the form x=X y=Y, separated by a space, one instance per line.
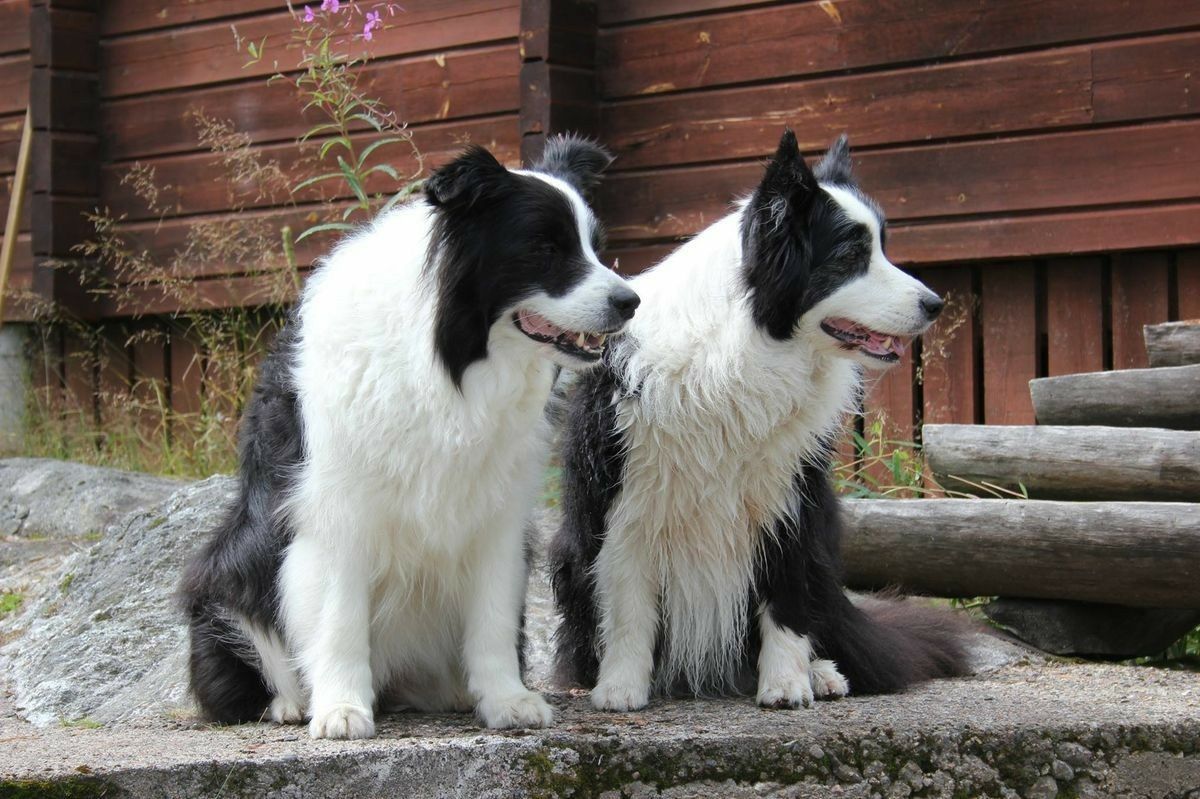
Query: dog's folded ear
x=579 y=161
x=474 y=177
x=835 y=166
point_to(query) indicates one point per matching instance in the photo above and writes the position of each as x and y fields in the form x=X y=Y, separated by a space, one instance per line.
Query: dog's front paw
x=285 y=711
x=524 y=709
x=342 y=721
x=827 y=681
x=783 y=694
x=620 y=697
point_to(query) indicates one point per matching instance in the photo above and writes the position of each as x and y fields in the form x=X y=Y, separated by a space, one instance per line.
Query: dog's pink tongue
x=534 y=323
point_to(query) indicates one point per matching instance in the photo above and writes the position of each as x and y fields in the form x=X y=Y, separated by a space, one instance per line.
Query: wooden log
x=1067 y=462
x=1173 y=343
x=1164 y=397
x=1141 y=554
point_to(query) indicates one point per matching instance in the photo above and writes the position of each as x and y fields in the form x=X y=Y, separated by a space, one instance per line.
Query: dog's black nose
x=624 y=301
x=932 y=305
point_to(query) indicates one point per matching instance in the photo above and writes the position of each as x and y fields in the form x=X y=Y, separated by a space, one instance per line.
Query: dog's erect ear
x=835 y=166
x=473 y=177
x=777 y=252
x=577 y=160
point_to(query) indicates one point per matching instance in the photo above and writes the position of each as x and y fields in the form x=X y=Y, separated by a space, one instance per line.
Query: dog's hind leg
x=287 y=704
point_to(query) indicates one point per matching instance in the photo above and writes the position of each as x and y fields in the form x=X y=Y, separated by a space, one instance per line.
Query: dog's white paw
x=827 y=681
x=524 y=709
x=620 y=697
x=342 y=721
x=783 y=693
x=285 y=711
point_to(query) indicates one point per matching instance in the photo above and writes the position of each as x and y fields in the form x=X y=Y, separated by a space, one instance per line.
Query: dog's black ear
x=579 y=161
x=835 y=166
x=777 y=251
x=473 y=177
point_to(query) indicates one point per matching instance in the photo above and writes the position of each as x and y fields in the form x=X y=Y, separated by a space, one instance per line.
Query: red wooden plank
x=1063 y=233
x=127 y=16
x=808 y=38
x=14 y=26
x=890 y=397
x=1187 y=284
x=1034 y=91
x=948 y=350
x=205 y=54
x=79 y=360
x=187 y=374
x=1029 y=173
x=1008 y=316
x=1074 y=316
x=1139 y=298
x=46 y=369
x=14 y=83
x=422 y=89
x=115 y=373
x=613 y=12
x=199 y=183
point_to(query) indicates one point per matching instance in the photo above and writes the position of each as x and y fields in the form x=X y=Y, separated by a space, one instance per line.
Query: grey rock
x=40 y=497
x=109 y=644
x=1044 y=788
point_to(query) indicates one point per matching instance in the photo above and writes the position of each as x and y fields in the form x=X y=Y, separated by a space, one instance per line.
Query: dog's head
x=515 y=251
x=815 y=263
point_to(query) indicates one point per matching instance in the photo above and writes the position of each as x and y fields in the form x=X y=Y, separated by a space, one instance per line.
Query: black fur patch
x=499 y=237
x=237 y=571
x=593 y=455
x=799 y=245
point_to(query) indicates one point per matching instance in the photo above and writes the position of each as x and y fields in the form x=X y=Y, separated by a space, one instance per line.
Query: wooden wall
x=1003 y=139
x=14 y=97
x=1037 y=158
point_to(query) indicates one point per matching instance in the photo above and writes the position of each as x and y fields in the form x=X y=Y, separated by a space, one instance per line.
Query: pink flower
x=331 y=5
x=374 y=21
x=309 y=16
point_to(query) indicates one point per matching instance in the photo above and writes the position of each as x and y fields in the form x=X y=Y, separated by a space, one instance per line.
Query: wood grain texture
x=1173 y=344
x=1069 y=462
x=1143 y=554
x=1139 y=298
x=14 y=26
x=128 y=16
x=424 y=89
x=948 y=362
x=204 y=54
x=1187 y=284
x=1009 y=323
x=1030 y=91
x=1164 y=397
x=809 y=38
x=1074 y=316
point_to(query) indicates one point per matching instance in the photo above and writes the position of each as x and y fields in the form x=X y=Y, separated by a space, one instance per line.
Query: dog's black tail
x=227 y=687
x=884 y=644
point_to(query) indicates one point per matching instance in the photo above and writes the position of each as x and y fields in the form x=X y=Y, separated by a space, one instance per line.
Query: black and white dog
x=699 y=548
x=393 y=451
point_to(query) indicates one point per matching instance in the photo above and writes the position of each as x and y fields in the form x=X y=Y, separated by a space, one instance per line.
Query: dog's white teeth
x=603 y=338
x=581 y=340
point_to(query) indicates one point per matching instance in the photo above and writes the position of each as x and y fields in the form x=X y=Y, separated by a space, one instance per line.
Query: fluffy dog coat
x=699 y=547
x=391 y=454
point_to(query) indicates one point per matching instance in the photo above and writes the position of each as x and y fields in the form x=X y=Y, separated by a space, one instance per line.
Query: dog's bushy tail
x=883 y=644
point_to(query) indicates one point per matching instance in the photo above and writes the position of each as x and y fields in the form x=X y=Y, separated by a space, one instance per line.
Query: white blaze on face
x=586 y=306
x=884 y=298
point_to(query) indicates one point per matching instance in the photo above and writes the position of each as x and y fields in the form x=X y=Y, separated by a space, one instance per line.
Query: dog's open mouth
x=586 y=346
x=854 y=336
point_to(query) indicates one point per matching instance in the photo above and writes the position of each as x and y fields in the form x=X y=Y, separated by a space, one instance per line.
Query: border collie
x=392 y=452
x=699 y=548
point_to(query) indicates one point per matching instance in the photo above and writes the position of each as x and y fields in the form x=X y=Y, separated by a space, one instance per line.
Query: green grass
x=9 y=602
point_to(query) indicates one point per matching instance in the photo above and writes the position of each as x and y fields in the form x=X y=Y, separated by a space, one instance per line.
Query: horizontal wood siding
x=1021 y=150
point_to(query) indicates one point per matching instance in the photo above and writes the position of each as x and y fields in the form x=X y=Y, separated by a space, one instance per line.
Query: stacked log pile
x=1103 y=557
